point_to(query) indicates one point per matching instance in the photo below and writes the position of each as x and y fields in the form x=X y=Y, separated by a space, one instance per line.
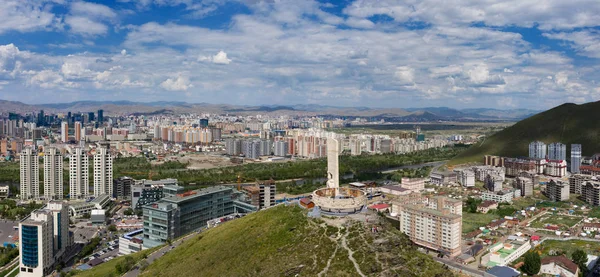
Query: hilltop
x=567 y=123
x=283 y=241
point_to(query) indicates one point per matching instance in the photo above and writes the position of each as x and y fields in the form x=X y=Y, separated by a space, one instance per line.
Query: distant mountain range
x=171 y=107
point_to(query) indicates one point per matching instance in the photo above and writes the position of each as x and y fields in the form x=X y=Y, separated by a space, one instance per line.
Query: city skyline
x=359 y=53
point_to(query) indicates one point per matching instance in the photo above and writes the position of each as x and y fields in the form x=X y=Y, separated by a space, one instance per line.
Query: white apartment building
x=437 y=226
x=79 y=174
x=466 y=177
x=413 y=184
x=53 y=174
x=64 y=131
x=506 y=195
x=103 y=172
x=556 y=168
x=30 y=177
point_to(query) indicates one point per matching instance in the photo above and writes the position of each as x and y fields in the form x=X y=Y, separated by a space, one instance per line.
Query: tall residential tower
x=30 y=176
x=79 y=174
x=53 y=174
x=575 y=158
x=103 y=172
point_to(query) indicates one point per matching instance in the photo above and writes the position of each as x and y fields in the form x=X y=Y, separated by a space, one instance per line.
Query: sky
x=532 y=54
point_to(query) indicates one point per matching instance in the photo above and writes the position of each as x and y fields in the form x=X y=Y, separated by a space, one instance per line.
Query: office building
x=557 y=151
x=122 y=188
x=101 y=116
x=281 y=148
x=577 y=181
x=77 y=131
x=203 y=123
x=557 y=190
x=537 y=150
x=575 y=158
x=64 y=131
x=437 y=226
x=175 y=216
x=79 y=174
x=103 y=171
x=524 y=184
x=147 y=191
x=53 y=174
x=43 y=239
x=30 y=177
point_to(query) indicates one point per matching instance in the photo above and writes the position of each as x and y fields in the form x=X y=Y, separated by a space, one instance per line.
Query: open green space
x=563 y=123
x=117 y=266
x=472 y=221
x=9 y=209
x=568 y=246
x=565 y=222
x=283 y=241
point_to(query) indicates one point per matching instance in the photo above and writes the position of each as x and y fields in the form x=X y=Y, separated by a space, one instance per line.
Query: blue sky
x=412 y=53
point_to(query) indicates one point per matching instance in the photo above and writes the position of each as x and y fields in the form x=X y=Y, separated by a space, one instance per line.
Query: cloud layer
x=369 y=53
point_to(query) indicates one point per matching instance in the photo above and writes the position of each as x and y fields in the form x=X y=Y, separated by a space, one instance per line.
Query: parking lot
x=83 y=233
x=7 y=231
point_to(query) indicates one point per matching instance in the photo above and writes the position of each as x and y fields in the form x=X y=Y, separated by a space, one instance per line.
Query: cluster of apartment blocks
x=53 y=173
x=434 y=223
x=187 y=134
x=252 y=149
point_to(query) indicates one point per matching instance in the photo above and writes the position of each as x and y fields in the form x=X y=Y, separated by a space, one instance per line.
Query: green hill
x=283 y=241
x=567 y=123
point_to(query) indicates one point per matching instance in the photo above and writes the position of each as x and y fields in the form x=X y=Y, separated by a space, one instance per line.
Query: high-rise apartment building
x=64 y=131
x=557 y=151
x=43 y=239
x=437 y=225
x=537 y=150
x=78 y=136
x=53 y=174
x=79 y=174
x=575 y=158
x=103 y=172
x=30 y=176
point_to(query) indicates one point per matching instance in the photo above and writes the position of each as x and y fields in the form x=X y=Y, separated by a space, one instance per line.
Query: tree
x=128 y=212
x=579 y=257
x=532 y=264
x=112 y=228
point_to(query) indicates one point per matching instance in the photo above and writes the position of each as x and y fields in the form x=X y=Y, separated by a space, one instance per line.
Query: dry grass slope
x=282 y=241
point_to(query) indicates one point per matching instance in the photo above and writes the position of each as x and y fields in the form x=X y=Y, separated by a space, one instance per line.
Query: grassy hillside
x=567 y=123
x=282 y=241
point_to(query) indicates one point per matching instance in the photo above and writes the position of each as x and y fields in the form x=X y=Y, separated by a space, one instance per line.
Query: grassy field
x=513 y=141
x=561 y=220
x=569 y=246
x=282 y=241
x=472 y=221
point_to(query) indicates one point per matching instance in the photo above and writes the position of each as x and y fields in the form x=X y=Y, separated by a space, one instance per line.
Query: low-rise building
x=4 y=192
x=486 y=206
x=413 y=184
x=98 y=217
x=82 y=208
x=557 y=190
x=493 y=183
x=556 y=168
x=442 y=178
x=524 y=184
x=591 y=193
x=577 y=181
x=559 y=266
x=466 y=177
x=394 y=190
x=503 y=196
x=131 y=242
x=503 y=253
x=591 y=227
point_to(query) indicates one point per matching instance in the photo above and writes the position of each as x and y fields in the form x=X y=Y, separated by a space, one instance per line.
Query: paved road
x=152 y=257
x=435 y=165
x=459 y=267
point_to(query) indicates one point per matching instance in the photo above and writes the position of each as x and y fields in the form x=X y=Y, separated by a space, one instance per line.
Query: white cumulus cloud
x=179 y=84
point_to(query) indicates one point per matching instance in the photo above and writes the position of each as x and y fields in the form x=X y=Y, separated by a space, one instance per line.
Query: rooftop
x=420 y=208
x=562 y=261
x=196 y=193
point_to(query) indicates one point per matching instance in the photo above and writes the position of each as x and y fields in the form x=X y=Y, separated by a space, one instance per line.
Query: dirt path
x=350 y=253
